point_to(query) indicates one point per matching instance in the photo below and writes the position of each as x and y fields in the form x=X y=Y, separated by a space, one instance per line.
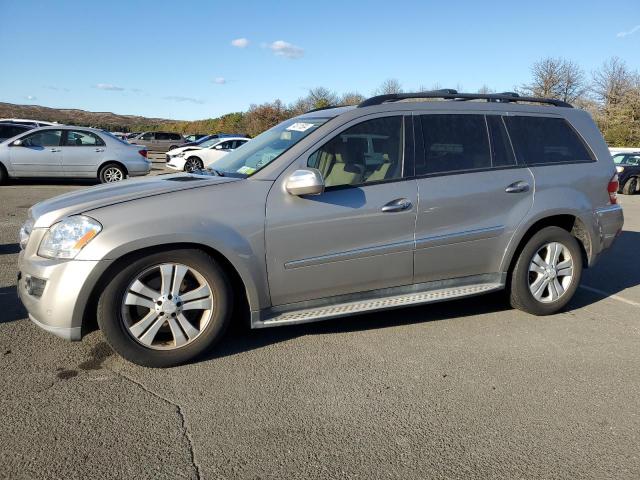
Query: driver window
x=44 y=138
x=368 y=152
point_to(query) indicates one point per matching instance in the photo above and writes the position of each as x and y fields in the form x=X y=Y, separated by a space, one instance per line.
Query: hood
x=50 y=211
x=175 y=151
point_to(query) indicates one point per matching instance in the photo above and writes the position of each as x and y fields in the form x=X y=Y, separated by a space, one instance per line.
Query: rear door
x=40 y=155
x=473 y=195
x=82 y=152
x=358 y=234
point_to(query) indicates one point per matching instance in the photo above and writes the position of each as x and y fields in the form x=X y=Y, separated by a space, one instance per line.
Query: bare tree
x=321 y=97
x=556 y=78
x=612 y=81
x=484 y=89
x=351 y=98
x=389 y=86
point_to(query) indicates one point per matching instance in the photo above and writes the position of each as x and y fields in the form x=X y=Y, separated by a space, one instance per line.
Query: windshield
x=208 y=143
x=266 y=147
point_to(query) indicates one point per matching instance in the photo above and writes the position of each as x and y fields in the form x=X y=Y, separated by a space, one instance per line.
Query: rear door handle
x=517 y=187
x=397 y=205
x=99 y=149
x=55 y=149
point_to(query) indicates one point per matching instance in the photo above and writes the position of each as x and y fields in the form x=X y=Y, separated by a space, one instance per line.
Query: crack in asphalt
x=183 y=420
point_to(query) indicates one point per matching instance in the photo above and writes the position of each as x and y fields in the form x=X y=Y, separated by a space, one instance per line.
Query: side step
x=325 y=312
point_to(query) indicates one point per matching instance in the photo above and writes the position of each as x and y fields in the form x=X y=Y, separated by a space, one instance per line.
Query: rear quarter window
x=546 y=140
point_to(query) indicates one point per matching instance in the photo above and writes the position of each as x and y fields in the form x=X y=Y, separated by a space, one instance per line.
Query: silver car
x=71 y=152
x=335 y=212
x=158 y=141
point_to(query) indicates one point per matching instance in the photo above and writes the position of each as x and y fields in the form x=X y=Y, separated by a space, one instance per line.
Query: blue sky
x=176 y=59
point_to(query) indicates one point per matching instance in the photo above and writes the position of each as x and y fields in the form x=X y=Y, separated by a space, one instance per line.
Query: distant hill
x=72 y=116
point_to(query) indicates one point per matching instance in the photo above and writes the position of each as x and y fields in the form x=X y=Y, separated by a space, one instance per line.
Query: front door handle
x=99 y=149
x=397 y=205
x=55 y=150
x=517 y=187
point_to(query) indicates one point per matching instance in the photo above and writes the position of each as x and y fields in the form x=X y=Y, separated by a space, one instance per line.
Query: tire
x=523 y=281
x=111 y=173
x=4 y=176
x=631 y=186
x=172 y=147
x=165 y=340
x=192 y=164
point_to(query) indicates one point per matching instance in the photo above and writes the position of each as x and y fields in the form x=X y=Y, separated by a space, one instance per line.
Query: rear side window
x=162 y=136
x=453 y=143
x=175 y=136
x=546 y=140
x=501 y=150
x=81 y=138
x=9 y=131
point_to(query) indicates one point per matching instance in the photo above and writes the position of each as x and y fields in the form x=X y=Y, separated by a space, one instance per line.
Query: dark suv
x=628 y=167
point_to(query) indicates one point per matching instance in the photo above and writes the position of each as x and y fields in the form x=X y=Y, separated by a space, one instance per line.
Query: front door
x=473 y=195
x=357 y=235
x=82 y=153
x=39 y=155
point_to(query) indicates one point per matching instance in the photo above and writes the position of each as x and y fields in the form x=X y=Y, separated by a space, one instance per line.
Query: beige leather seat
x=381 y=172
x=344 y=170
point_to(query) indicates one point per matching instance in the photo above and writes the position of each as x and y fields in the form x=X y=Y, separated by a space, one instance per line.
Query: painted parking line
x=609 y=295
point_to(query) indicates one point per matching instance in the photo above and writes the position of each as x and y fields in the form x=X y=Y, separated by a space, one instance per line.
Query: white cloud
x=219 y=80
x=240 y=42
x=285 y=49
x=108 y=86
x=628 y=32
x=30 y=97
x=177 y=98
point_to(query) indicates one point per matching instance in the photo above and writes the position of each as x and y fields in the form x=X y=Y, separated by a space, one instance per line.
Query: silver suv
x=158 y=141
x=404 y=200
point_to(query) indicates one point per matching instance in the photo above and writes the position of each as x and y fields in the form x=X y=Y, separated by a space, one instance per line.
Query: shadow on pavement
x=53 y=181
x=11 y=308
x=9 y=248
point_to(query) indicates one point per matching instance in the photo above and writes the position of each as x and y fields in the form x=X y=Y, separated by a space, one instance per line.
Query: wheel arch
x=570 y=222
x=239 y=283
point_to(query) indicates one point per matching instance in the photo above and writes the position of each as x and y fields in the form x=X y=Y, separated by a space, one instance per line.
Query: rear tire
x=631 y=186
x=3 y=174
x=111 y=172
x=178 y=328
x=542 y=281
x=172 y=147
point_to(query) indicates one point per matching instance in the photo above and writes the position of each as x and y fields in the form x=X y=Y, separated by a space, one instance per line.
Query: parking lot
x=465 y=389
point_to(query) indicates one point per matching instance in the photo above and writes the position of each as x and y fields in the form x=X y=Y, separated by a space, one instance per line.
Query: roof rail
x=450 y=94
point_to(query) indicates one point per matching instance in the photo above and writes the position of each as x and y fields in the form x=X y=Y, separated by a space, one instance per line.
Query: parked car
x=191 y=159
x=10 y=130
x=25 y=121
x=194 y=137
x=209 y=137
x=158 y=141
x=66 y=151
x=628 y=167
x=332 y=213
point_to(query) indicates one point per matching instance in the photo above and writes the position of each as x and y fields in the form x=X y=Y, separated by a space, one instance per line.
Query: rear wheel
x=166 y=308
x=111 y=172
x=192 y=164
x=172 y=147
x=547 y=272
x=631 y=186
x=3 y=174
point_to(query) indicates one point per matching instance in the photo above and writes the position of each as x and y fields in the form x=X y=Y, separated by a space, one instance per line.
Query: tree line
x=611 y=94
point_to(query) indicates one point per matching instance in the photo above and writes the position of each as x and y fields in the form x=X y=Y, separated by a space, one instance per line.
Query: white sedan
x=191 y=159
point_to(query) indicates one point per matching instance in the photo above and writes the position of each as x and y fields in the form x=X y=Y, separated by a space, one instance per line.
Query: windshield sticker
x=300 y=127
x=246 y=170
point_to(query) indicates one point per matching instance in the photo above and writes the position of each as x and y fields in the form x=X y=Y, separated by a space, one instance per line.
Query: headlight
x=620 y=169
x=66 y=238
x=25 y=232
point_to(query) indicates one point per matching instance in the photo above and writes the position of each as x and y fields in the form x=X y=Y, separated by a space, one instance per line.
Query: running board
x=290 y=315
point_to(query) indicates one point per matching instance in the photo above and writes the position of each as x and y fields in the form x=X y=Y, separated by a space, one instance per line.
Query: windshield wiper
x=216 y=172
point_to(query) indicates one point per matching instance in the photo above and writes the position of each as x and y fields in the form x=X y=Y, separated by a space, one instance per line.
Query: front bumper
x=59 y=307
x=176 y=163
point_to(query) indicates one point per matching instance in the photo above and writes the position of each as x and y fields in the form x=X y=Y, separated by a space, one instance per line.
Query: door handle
x=397 y=205
x=99 y=149
x=55 y=150
x=517 y=187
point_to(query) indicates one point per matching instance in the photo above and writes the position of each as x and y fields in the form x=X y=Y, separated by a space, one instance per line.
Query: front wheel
x=193 y=164
x=166 y=308
x=547 y=272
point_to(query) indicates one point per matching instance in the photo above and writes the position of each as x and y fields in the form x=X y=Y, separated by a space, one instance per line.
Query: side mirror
x=306 y=181
x=16 y=143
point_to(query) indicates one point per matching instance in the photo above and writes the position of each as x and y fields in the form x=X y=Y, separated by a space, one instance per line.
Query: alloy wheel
x=550 y=272
x=113 y=174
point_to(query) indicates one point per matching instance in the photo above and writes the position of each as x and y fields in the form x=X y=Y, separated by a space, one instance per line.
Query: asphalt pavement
x=464 y=389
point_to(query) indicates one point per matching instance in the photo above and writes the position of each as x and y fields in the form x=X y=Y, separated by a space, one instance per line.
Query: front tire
x=547 y=272
x=193 y=164
x=111 y=173
x=164 y=309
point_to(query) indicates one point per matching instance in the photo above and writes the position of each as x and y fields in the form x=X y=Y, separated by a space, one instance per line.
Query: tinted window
x=9 y=131
x=543 y=140
x=368 y=152
x=162 y=136
x=453 y=143
x=632 y=160
x=81 y=138
x=175 y=136
x=147 y=136
x=45 y=138
x=501 y=151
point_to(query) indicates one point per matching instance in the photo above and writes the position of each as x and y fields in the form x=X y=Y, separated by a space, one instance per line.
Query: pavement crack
x=183 y=419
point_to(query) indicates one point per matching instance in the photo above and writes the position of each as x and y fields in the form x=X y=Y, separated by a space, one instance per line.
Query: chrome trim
x=383 y=299
x=608 y=209
x=459 y=237
x=406 y=246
